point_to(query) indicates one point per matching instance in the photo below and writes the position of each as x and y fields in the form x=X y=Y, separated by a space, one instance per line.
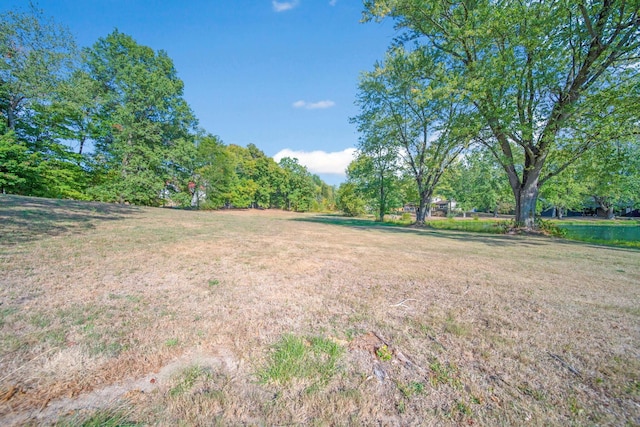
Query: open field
x=154 y=316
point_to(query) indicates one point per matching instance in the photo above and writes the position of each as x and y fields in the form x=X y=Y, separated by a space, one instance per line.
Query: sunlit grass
x=314 y=358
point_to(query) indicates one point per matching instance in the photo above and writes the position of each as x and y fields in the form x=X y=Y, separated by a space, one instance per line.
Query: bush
x=348 y=200
x=550 y=228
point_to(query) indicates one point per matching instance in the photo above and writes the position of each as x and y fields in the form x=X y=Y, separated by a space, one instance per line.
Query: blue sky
x=282 y=75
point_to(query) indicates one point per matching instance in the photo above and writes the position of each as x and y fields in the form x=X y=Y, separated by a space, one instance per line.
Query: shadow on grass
x=465 y=236
x=26 y=219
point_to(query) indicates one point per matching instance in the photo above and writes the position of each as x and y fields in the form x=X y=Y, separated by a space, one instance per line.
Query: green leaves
x=142 y=119
x=409 y=118
x=121 y=107
x=537 y=77
x=35 y=55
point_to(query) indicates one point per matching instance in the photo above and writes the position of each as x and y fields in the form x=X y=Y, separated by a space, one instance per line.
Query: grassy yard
x=119 y=315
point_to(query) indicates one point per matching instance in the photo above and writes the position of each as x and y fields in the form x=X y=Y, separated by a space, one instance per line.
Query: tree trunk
x=82 y=140
x=11 y=121
x=425 y=208
x=526 y=199
x=605 y=205
x=610 y=214
x=382 y=203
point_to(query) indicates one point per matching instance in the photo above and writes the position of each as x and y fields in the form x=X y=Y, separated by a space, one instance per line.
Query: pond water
x=627 y=233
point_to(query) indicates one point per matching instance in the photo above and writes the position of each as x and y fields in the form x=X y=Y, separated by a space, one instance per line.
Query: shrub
x=550 y=228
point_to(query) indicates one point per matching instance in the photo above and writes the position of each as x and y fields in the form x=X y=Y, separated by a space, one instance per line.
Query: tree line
x=520 y=104
x=109 y=122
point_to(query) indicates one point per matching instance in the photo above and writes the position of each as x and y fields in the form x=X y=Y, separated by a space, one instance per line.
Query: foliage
x=16 y=168
x=564 y=192
x=550 y=228
x=142 y=116
x=373 y=173
x=375 y=170
x=475 y=182
x=349 y=200
x=610 y=174
x=384 y=353
x=545 y=80
x=35 y=55
x=475 y=225
x=298 y=186
x=213 y=170
x=407 y=113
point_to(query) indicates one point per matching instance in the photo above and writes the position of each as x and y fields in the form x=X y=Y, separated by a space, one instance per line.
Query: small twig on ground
x=497 y=378
x=565 y=364
x=385 y=342
x=399 y=355
x=435 y=340
x=401 y=303
x=9 y=394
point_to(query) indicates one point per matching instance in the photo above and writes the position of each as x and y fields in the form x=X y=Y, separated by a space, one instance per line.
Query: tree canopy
x=546 y=80
x=407 y=112
x=110 y=123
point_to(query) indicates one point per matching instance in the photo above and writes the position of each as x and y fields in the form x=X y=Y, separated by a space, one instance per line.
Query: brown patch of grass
x=479 y=328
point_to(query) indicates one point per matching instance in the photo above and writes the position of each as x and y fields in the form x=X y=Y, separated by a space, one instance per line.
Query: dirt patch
x=124 y=391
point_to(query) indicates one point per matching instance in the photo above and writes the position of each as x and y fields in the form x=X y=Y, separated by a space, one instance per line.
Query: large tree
x=404 y=104
x=541 y=75
x=142 y=117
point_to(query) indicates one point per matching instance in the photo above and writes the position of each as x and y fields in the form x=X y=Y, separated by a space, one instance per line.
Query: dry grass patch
x=173 y=317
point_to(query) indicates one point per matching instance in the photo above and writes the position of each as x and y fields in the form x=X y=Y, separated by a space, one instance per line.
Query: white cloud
x=281 y=6
x=314 y=105
x=333 y=2
x=320 y=161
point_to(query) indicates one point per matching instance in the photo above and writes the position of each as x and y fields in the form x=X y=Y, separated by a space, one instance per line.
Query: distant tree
x=610 y=174
x=539 y=75
x=349 y=201
x=256 y=178
x=376 y=180
x=476 y=181
x=564 y=192
x=299 y=187
x=376 y=170
x=324 y=195
x=214 y=170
